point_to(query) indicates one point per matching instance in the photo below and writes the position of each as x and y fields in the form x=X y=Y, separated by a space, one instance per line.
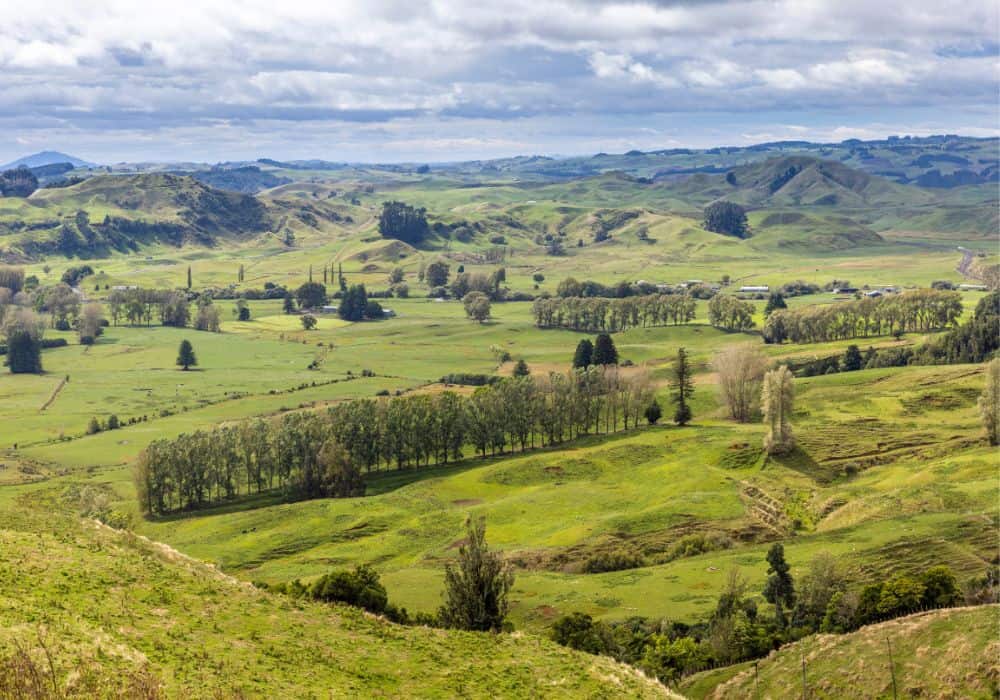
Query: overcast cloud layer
x=446 y=80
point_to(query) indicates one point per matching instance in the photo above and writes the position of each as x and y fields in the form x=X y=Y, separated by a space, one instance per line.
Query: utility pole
x=756 y=680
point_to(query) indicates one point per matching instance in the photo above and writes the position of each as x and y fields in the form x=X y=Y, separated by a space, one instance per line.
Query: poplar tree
x=777 y=399
x=989 y=402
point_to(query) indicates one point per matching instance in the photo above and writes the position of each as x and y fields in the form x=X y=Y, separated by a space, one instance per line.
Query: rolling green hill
x=122 y=613
x=643 y=493
x=118 y=213
x=943 y=653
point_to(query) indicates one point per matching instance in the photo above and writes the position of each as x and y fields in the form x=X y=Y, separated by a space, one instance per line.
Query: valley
x=892 y=473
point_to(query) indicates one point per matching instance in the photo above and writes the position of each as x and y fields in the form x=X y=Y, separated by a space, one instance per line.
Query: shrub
x=360 y=588
x=613 y=561
x=580 y=631
x=469 y=379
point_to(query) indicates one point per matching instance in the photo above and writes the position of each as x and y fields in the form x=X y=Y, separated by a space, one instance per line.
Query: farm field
x=891 y=475
x=644 y=492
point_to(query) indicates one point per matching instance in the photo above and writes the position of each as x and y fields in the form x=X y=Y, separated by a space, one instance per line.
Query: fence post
x=803 y=656
x=892 y=667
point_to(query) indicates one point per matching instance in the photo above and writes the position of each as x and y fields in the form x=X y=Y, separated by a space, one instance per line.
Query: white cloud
x=109 y=65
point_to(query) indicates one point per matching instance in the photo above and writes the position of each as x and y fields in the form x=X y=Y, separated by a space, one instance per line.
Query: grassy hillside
x=800 y=180
x=872 y=490
x=109 y=213
x=944 y=653
x=94 y=598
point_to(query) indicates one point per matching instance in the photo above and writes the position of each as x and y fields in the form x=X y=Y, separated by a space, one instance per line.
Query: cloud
x=311 y=67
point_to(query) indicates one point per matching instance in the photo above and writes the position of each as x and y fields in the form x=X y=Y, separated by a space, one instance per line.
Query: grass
x=944 y=653
x=891 y=473
x=867 y=495
x=89 y=593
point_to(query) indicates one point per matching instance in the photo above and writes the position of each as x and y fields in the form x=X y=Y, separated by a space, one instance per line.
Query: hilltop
x=42 y=158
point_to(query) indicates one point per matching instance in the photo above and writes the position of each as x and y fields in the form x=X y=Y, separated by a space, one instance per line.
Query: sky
x=446 y=80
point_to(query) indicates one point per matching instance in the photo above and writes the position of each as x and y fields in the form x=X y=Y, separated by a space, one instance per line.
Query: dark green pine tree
x=24 y=352
x=682 y=388
x=779 y=589
x=189 y=277
x=774 y=302
x=185 y=355
x=605 y=352
x=653 y=412
x=852 y=359
x=521 y=369
x=584 y=355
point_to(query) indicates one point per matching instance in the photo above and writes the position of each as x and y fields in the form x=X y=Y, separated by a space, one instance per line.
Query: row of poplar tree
x=324 y=453
x=920 y=310
x=611 y=315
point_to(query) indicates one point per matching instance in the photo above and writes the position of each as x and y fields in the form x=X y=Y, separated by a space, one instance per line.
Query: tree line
x=139 y=306
x=922 y=310
x=612 y=315
x=315 y=454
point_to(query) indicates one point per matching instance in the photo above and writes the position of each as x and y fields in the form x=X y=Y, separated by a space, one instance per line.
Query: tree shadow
x=798 y=460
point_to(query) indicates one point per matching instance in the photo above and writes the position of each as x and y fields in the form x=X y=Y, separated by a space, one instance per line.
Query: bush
x=373 y=310
x=693 y=545
x=613 y=561
x=360 y=588
x=469 y=379
x=580 y=631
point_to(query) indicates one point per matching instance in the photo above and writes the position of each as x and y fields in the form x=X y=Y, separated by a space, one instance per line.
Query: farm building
x=755 y=289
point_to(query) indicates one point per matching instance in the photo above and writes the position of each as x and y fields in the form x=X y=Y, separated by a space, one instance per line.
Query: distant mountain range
x=37 y=160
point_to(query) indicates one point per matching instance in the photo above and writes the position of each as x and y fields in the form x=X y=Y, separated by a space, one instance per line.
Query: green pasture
x=891 y=473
